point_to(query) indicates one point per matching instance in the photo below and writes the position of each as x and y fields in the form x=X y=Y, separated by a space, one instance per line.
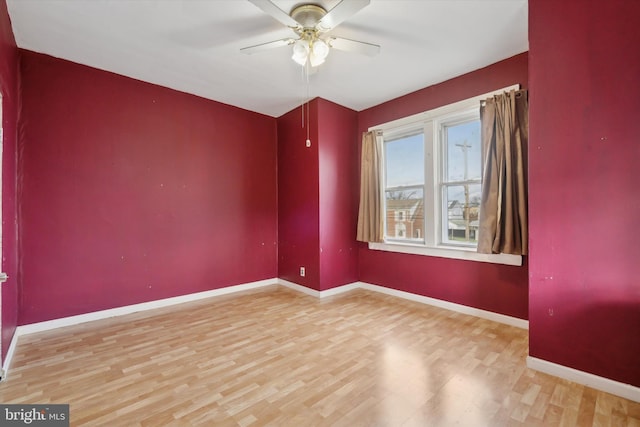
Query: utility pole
x=465 y=148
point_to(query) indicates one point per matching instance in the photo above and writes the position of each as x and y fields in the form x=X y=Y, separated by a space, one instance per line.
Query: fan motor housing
x=308 y=15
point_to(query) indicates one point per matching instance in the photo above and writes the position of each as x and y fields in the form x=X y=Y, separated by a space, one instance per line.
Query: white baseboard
x=319 y=294
x=459 y=308
x=340 y=290
x=9 y=356
x=128 y=309
x=299 y=288
x=464 y=309
x=590 y=380
x=120 y=311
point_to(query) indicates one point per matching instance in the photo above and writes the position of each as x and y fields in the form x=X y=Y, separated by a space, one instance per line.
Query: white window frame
x=430 y=121
x=463 y=116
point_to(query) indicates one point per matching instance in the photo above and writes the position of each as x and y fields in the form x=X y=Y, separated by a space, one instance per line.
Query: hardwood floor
x=280 y=358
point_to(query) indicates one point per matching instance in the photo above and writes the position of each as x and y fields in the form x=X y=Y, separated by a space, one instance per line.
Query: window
x=432 y=165
x=461 y=185
x=404 y=189
x=451 y=181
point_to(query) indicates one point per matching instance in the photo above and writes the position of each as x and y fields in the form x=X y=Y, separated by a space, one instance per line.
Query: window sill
x=467 y=254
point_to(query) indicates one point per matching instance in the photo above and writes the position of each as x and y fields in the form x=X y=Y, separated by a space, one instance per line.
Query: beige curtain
x=370 y=223
x=503 y=208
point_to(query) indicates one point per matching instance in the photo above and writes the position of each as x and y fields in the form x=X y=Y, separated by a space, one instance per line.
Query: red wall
x=584 y=182
x=498 y=288
x=338 y=181
x=10 y=108
x=131 y=192
x=299 y=197
x=317 y=197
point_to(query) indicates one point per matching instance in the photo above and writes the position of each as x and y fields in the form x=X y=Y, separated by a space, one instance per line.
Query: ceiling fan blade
x=276 y=13
x=347 y=45
x=344 y=10
x=266 y=46
x=249 y=50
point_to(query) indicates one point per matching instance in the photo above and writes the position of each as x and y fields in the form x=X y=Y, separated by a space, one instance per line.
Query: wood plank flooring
x=275 y=357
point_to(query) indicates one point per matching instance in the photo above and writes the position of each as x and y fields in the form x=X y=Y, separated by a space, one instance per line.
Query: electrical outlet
x=302 y=272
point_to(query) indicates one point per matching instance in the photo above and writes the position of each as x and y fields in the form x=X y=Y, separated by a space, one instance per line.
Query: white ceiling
x=194 y=46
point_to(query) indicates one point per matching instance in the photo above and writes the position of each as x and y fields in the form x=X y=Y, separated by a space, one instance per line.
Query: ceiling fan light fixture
x=320 y=49
x=309 y=21
x=314 y=60
x=300 y=51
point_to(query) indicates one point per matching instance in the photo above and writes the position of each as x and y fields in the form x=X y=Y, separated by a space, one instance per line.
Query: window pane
x=405 y=214
x=404 y=161
x=463 y=151
x=462 y=204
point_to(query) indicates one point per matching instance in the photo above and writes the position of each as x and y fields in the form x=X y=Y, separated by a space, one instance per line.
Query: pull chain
x=305 y=101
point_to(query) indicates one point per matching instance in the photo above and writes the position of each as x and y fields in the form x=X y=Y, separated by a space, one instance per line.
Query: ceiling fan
x=310 y=22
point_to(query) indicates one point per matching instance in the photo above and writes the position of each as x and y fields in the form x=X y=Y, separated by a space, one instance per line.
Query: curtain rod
x=518 y=92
